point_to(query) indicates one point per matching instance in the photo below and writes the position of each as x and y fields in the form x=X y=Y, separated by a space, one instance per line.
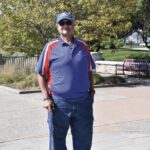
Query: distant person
x=65 y=78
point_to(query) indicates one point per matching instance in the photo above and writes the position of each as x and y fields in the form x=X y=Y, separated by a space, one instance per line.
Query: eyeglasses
x=67 y=22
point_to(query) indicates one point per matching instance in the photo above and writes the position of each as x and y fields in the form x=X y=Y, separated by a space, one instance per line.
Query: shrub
x=105 y=44
x=114 y=79
x=10 y=77
x=21 y=80
x=31 y=80
x=6 y=79
x=118 y=43
x=108 y=80
x=97 y=78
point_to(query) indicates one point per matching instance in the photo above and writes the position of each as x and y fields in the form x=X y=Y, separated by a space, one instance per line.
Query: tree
x=141 y=20
x=108 y=18
x=145 y=15
x=28 y=24
x=25 y=25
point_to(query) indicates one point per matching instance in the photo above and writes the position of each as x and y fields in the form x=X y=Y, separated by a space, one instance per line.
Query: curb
x=29 y=91
x=9 y=89
x=95 y=86
x=117 y=85
x=18 y=91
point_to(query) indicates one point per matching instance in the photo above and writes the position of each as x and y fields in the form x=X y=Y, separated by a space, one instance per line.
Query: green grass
x=121 y=54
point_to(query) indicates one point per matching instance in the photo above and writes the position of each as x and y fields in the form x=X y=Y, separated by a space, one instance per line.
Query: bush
x=97 y=78
x=105 y=44
x=118 y=43
x=114 y=79
x=112 y=43
x=29 y=81
x=108 y=80
x=8 y=78
x=4 y=79
x=20 y=80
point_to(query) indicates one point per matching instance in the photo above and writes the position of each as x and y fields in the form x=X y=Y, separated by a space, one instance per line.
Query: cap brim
x=64 y=19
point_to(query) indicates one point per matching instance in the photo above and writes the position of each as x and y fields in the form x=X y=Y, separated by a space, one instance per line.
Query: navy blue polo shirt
x=66 y=68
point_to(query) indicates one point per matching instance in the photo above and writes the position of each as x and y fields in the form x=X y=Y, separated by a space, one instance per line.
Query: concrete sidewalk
x=122 y=120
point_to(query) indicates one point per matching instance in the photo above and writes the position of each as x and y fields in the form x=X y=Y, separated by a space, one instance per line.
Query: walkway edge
x=117 y=85
x=95 y=86
x=9 y=89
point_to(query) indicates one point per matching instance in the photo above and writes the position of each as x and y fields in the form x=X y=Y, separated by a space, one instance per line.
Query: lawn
x=121 y=54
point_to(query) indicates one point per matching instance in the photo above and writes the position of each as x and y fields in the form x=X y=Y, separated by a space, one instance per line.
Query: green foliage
x=18 y=80
x=97 y=78
x=114 y=80
x=96 y=45
x=107 y=80
x=107 y=19
x=27 y=25
x=141 y=19
x=30 y=81
x=146 y=21
x=9 y=78
x=6 y=79
x=105 y=44
x=118 y=43
x=112 y=44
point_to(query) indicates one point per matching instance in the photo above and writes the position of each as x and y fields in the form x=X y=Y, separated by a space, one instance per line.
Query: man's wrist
x=92 y=91
x=46 y=99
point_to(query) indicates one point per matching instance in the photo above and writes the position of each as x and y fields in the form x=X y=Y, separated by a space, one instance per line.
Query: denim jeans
x=77 y=115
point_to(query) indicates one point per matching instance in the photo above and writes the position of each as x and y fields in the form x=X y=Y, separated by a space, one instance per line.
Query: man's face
x=65 y=27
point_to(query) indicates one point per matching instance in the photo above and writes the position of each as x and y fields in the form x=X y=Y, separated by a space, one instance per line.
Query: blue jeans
x=77 y=115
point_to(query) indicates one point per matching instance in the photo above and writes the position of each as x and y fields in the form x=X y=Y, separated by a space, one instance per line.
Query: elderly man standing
x=65 y=78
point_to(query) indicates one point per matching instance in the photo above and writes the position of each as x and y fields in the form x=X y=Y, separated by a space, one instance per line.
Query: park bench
x=138 y=67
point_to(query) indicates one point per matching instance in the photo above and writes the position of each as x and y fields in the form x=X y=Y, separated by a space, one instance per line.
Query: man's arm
x=43 y=86
x=91 y=90
x=48 y=103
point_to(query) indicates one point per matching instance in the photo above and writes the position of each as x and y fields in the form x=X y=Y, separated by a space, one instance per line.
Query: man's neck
x=67 y=39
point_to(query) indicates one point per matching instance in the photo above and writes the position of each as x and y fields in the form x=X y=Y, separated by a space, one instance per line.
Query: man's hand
x=92 y=92
x=48 y=104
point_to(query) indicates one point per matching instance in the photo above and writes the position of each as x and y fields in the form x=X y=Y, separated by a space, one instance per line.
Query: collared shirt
x=66 y=68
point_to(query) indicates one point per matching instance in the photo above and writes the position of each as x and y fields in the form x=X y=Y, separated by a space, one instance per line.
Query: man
x=65 y=78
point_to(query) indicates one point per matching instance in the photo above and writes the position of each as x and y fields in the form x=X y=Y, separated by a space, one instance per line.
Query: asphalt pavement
x=122 y=119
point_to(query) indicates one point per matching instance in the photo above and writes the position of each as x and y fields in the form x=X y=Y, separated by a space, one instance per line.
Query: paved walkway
x=122 y=120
